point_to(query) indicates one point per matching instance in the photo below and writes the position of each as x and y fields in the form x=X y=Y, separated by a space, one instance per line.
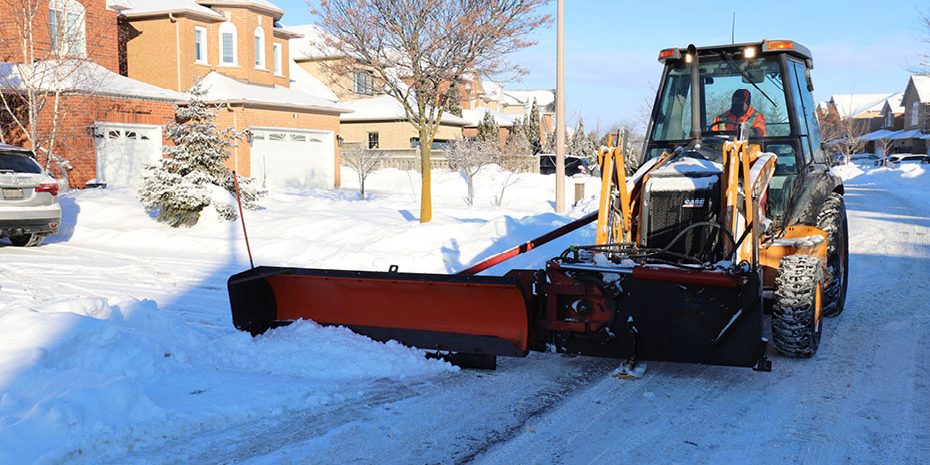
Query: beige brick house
x=241 y=52
x=377 y=120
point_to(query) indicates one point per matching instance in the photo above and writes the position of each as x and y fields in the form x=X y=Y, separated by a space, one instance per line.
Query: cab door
x=815 y=181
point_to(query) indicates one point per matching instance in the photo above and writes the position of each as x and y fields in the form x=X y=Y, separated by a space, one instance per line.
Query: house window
x=259 y=47
x=276 y=51
x=915 y=109
x=361 y=83
x=889 y=120
x=66 y=28
x=228 y=44
x=372 y=140
x=200 y=44
x=438 y=144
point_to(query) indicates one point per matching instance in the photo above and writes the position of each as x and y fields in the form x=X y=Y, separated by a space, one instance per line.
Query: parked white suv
x=29 y=208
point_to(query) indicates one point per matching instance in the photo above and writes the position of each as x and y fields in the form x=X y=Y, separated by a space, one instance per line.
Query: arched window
x=228 y=47
x=259 y=47
x=66 y=29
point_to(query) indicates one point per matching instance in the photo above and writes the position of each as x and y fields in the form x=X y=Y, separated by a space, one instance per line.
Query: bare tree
x=364 y=162
x=469 y=157
x=924 y=25
x=40 y=90
x=886 y=145
x=843 y=136
x=513 y=162
x=423 y=49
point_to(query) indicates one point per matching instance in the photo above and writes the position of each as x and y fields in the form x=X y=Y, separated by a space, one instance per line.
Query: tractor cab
x=766 y=85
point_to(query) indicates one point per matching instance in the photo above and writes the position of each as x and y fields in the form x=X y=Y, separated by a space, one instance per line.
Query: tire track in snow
x=449 y=429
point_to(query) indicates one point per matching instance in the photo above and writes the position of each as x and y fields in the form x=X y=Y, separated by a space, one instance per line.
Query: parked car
x=29 y=208
x=573 y=165
x=897 y=159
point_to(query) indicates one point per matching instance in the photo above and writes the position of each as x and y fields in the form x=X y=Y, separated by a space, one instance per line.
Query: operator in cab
x=740 y=111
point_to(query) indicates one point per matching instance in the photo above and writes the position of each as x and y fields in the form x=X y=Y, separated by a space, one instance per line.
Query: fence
x=409 y=159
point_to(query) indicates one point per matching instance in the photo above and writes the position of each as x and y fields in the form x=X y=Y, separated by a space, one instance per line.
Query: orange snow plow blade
x=468 y=314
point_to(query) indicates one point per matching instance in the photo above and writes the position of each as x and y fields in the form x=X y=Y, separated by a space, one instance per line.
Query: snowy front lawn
x=117 y=333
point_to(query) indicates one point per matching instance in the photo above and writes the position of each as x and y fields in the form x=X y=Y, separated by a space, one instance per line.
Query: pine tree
x=549 y=146
x=193 y=174
x=488 y=129
x=533 y=129
x=518 y=143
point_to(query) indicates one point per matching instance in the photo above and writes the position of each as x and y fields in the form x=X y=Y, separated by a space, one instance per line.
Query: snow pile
x=76 y=369
x=900 y=176
x=117 y=334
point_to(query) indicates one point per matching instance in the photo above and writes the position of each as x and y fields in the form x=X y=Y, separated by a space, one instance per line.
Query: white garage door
x=287 y=160
x=123 y=150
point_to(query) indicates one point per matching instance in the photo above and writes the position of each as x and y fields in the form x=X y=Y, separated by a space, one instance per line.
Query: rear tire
x=796 y=314
x=27 y=240
x=832 y=219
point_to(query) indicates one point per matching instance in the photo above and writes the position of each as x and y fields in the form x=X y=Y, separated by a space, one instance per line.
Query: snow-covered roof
x=308 y=84
x=474 y=117
x=227 y=90
x=878 y=135
x=13 y=148
x=312 y=44
x=894 y=104
x=80 y=77
x=386 y=108
x=922 y=85
x=262 y=4
x=493 y=91
x=909 y=134
x=853 y=105
x=139 y=8
x=525 y=97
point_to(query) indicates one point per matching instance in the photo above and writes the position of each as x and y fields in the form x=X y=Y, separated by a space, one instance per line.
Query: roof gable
x=921 y=83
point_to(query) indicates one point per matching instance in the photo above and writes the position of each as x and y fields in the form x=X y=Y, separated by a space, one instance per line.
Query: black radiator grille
x=672 y=211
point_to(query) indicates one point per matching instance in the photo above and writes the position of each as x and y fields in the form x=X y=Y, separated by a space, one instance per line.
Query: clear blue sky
x=611 y=46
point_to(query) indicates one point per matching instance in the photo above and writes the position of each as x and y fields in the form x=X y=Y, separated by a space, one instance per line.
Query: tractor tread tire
x=832 y=219
x=794 y=330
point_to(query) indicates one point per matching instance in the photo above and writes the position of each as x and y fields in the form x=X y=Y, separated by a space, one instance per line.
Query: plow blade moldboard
x=468 y=314
x=661 y=319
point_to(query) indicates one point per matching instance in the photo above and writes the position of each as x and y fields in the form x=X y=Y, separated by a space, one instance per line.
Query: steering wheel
x=722 y=132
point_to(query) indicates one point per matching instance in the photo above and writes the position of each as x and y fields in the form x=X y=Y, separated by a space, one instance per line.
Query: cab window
x=728 y=82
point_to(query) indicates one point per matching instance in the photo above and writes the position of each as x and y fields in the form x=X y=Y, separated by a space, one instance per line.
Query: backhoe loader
x=726 y=220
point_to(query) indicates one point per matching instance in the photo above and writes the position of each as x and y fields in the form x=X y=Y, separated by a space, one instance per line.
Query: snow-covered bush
x=181 y=185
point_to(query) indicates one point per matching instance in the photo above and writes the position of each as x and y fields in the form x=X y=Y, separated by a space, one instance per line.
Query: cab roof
x=766 y=46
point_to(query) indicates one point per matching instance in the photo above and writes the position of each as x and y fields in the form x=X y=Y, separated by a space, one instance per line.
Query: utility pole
x=560 y=111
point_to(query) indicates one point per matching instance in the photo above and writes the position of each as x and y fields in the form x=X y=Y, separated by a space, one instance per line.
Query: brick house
x=916 y=103
x=241 y=52
x=107 y=125
x=905 y=121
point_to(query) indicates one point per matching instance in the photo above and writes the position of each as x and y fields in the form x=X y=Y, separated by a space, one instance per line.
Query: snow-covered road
x=865 y=397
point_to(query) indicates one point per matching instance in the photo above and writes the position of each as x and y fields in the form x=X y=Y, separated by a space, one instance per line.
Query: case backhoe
x=725 y=220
